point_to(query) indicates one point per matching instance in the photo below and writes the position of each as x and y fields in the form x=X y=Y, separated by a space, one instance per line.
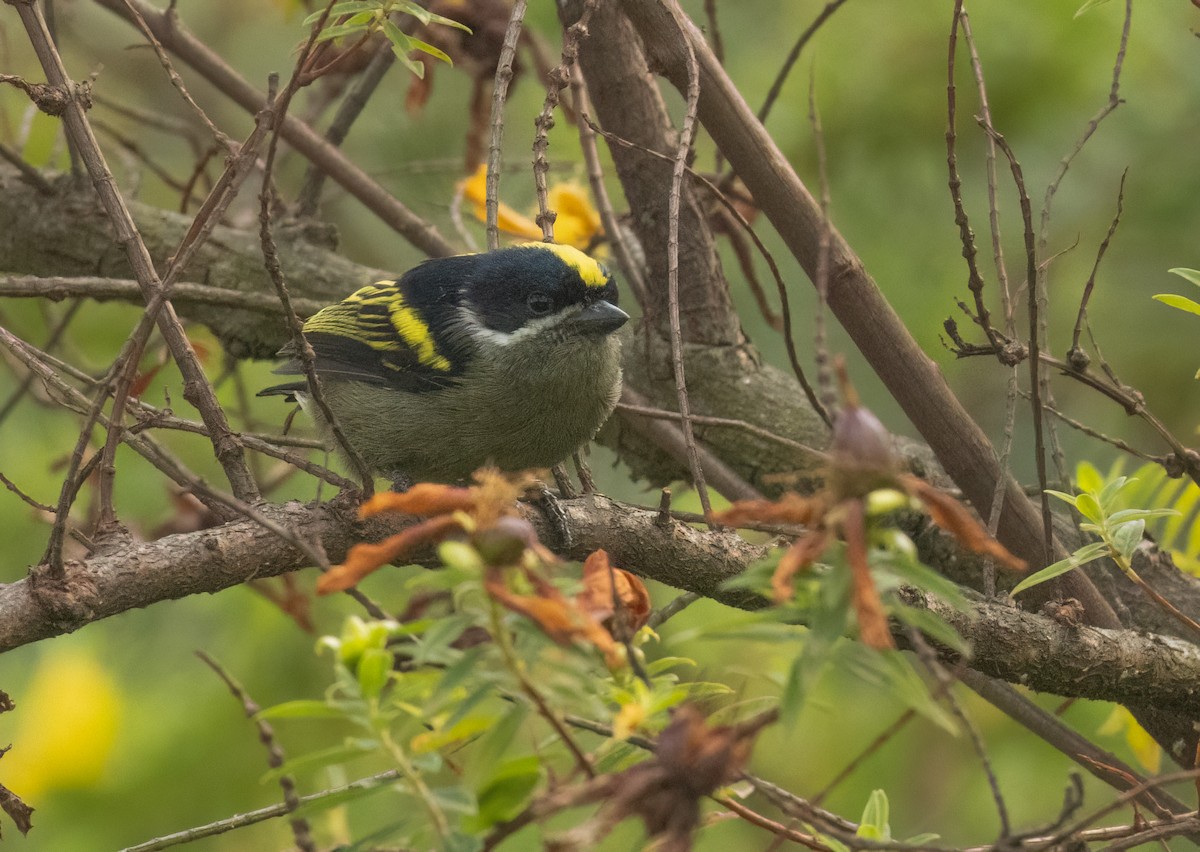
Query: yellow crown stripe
x=592 y=273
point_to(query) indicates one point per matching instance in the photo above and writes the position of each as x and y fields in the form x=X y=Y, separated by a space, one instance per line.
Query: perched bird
x=506 y=357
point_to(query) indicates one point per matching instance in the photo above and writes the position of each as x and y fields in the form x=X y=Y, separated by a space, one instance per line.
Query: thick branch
x=909 y=374
x=1009 y=643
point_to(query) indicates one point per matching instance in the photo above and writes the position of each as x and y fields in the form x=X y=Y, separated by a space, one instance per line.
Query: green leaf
x=1082 y=556
x=434 y=645
x=505 y=793
x=1127 y=536
x=338 y=31
x=1090 y=4
x=890 y=671
x=340 y=754
x=932 y=625
x=1140 y=515
x=456 y=799
x=1183 y=303
x=302 y=709
x=1066 y=498
x=339 y=9
x=1089 y=507
x=444 y=21
x=875 y=817
x=922 y=839
x=1192 y=275
x=435 y=52
x=1088 y=478
x=412 y=65
x=924 y=577
x=663 y=664
x=374 y=667
x=1109 y=493
x=460 y=842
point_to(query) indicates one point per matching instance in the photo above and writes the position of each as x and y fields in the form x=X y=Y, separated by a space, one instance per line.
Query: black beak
x=601 y=318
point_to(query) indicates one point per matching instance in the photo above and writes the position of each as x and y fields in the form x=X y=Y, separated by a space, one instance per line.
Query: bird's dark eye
x=540 y=304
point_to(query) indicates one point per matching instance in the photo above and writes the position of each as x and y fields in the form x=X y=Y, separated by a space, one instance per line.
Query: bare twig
x=793 y=55
x=504 y=75
x=557 y=80
x=1075 y=355
x=301 y=831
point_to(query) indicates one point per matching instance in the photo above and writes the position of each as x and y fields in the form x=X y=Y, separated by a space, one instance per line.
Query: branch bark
x=1009 y=643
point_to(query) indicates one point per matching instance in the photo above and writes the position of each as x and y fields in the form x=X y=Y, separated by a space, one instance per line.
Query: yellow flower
x=67 y=722
x=578 y=223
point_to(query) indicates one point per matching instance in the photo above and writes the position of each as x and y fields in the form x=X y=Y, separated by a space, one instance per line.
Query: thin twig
x=556 y=81
x=965 y=235
x=1075 y=353
x=793 y=55
x=675 y=199
x=262 y=814
x=504 y=75
x=301 y=831
x=1035 y=362
x=273 y=116
x=309 y=198
x=736 y=215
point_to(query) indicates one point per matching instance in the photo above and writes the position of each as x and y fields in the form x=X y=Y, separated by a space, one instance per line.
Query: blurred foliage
x=156 y=744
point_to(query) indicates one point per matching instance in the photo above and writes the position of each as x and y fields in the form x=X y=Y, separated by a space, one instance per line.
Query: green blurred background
x=156 y=743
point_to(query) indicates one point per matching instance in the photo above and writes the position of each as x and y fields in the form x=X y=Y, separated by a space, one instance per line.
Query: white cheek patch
x=532 y=328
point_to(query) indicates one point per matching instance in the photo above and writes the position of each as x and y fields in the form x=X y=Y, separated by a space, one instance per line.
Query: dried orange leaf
x=596 y=599
x=953 y=517
x=803 y=552
x=791 y=508
x=364 y=559
x=864 y=596
x=559 y=618
x=424 y=498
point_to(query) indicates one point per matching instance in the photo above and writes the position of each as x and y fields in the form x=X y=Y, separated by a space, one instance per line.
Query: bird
x=506 y=358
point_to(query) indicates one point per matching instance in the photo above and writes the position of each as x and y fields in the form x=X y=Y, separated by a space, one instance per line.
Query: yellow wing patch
x=415 y=332
x=378 y=316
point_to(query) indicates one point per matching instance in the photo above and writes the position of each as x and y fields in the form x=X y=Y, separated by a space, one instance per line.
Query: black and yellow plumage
x=504 y=357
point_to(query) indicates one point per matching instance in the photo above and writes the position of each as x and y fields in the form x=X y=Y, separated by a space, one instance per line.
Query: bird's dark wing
x=379 y=337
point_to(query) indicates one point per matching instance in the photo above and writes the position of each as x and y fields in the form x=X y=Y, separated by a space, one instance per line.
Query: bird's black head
x=526 y=286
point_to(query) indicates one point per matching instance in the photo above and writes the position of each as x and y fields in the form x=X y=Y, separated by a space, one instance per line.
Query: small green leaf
x=1109 y=493
x=1066 y=498
x=435 y=52
x=1183 y=303
x=663 y=664
x=1140 y=515
x=1082 y=556
x=505 y=793
x=1090 y=4
x=338 y=31
x=374 y=666
x=339 y=9
x=456 y=799
x=875 y=817
x=1089 y=507
x=1127 y=536
x=302 y=710
x=1088 y=478
x=335 y=755
x=460 y=842
x=1192 y=275
x=890 y=671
